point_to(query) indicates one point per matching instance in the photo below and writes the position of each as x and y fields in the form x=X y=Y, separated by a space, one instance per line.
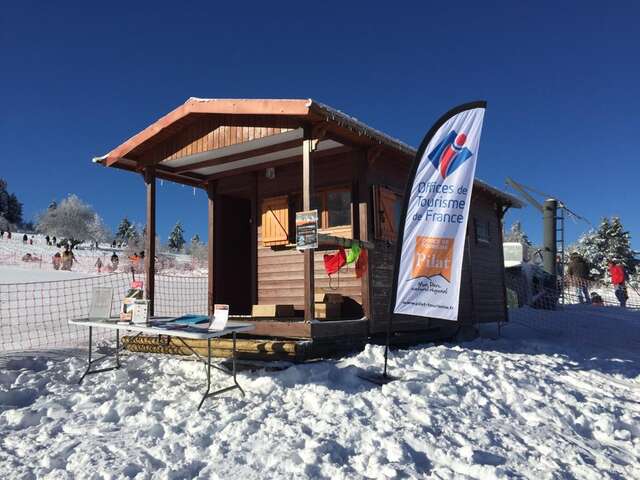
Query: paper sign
x=220 y=317
x=307 y=230
x=140 y=312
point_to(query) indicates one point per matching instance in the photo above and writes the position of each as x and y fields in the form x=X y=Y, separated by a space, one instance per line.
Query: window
x=482 y=231
x=338 y=208
x=333 y=205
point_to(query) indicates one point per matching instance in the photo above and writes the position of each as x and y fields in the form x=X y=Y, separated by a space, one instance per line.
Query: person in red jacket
x=618 y=277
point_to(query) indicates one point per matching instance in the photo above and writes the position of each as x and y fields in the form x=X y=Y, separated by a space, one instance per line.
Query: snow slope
x=532 y=404
x=12 y=251
x=21 y=275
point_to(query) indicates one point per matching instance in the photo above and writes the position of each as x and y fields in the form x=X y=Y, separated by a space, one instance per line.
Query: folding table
x=164 y=326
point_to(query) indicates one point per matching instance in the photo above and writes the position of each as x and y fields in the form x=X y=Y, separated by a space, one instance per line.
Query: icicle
x=194 y=191
x=161 y=182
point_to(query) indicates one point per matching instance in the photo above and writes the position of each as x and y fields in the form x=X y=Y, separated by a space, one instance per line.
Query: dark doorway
x=232 y=266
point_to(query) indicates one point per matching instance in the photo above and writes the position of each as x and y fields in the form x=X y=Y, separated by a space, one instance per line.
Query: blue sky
x=562 y=81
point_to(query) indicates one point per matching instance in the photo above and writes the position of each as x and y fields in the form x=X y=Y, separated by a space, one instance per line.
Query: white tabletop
x=161 y=326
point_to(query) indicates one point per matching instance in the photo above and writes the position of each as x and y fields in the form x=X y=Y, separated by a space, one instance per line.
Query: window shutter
x=385 y=208
x=275 y=221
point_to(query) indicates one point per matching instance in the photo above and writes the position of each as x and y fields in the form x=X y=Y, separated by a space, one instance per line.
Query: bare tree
x=71 y=221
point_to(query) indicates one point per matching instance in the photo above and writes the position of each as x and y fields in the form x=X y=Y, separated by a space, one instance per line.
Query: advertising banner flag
x=435 y=213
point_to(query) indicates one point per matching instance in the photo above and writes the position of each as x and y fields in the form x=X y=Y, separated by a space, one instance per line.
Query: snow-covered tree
x=127 y=232
x=98 y=231
x=609 y=241
x=53 y=205
x=70 y=221
x=195 y=240
x=176 y=238
x=516 y=234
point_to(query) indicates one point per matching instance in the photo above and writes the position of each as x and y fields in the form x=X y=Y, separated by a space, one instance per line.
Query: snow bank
x=527 y=405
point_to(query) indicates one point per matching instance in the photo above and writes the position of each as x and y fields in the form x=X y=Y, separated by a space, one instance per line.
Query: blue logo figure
x=450 y=153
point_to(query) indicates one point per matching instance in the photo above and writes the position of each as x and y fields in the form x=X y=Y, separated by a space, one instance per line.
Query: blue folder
x=191 y=319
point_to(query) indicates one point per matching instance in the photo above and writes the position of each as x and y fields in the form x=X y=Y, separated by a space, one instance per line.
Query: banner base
x=377 y=378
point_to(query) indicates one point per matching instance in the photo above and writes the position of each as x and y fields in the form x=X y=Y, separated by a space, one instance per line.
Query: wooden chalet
x=261 y=161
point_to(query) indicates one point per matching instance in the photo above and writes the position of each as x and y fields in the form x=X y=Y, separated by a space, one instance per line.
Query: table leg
x=89 y=364
x=233 y=363
x=118 y=348
x=92 y=362
x=208 y=373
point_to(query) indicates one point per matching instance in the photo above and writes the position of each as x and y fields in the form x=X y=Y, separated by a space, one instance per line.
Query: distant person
x=53 y=241
x=578 y=276
x=135 y=262
x=99 y=265
x=56 y=260
x=618 y=279
x=9 y=235
x=48 y=240
x=559 y=266
x=25 y=238
x=113 y=244
x=67 y=259
x=596 y=300
x=115 y=260
x=1 y=234
x=31 y=240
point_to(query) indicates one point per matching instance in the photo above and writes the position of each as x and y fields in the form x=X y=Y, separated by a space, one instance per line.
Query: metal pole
x=549 y=252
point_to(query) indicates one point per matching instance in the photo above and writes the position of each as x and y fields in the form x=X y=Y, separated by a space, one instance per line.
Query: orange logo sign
x=433 y=257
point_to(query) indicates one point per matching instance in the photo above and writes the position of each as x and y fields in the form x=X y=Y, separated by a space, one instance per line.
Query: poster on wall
x=307 y=230
x=434 y=218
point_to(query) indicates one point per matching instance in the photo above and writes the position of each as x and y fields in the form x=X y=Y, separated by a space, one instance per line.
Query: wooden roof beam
x=282 y=161
x=239 y=156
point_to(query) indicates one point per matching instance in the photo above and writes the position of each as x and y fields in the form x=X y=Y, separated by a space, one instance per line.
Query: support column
x=254 y=239
x=361 y=224
x=211 y=193
x=150 y=240
x=307 y=192
x=550 y=208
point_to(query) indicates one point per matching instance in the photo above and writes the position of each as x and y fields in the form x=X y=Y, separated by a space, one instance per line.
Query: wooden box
x=273 y=311
x=321 y=297
x=328 y=311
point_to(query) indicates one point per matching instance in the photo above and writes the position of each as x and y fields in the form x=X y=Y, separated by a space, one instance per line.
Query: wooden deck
x=283 y=339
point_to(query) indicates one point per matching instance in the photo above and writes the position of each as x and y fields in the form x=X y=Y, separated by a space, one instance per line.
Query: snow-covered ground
x=12 y=252
x=10 y=274
x=533 y=404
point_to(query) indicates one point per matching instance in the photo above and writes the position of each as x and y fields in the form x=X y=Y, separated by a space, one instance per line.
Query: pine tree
x=14 y=210
x=53 y=205
x=126 y=231
x=10 y=206
x=195 y=240
x=176 y=238
x=609 y=241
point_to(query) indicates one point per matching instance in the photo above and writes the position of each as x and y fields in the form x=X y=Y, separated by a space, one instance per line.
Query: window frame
x=323 y=212
x=482 y=240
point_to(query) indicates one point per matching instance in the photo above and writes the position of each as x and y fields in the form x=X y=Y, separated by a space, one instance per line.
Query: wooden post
x=362 y=183
x=150 y=241
x=307 y=192
x=254 y=239
x=211 y=193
